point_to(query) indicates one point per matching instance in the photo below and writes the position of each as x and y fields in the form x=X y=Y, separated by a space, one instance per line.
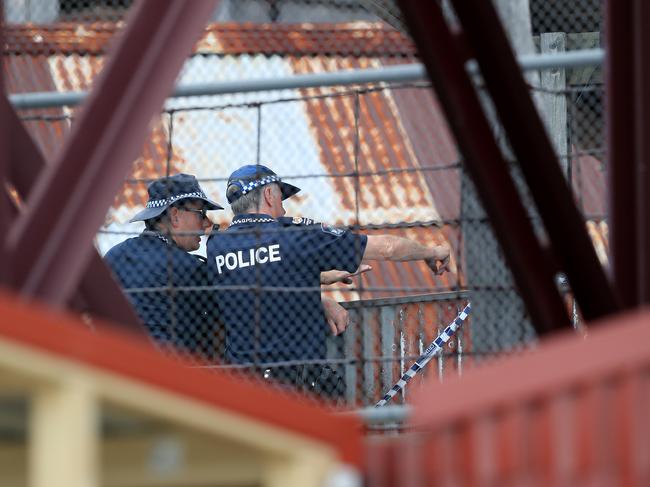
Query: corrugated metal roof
x=599 y=233
x=50 y=126
x=588 y=177
x=406 y=156
x=348 y=39
x=24 y=74
x=390 y=188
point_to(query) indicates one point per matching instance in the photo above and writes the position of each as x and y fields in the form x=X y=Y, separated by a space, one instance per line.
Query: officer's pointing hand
x=439 y=263
x=438 y=266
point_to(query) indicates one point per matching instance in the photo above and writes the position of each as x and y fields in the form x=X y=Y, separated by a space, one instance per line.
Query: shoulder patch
x=337 y=232
x=296 y=220
x=302 y=221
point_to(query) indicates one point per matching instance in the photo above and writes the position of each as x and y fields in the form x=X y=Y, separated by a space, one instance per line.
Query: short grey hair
x=250 y=202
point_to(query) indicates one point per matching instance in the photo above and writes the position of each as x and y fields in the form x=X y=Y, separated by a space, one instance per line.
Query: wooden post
x=554 y=105
x=63 y=436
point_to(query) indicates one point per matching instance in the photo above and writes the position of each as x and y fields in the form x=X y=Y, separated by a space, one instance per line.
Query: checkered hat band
x=171 y=199
x=250 y=186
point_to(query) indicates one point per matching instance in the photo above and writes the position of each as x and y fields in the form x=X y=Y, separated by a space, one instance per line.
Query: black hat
x=247 y=178
x=164 y=192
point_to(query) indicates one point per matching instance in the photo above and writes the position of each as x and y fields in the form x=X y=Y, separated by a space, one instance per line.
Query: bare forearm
x=389 y=247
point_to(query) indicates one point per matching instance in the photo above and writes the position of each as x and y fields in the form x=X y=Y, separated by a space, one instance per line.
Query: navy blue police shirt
x=156 y=270
x=267 y=275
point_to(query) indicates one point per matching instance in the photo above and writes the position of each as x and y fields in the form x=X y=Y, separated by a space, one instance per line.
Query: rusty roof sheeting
x=50 y=126
x=389 y=181
x=307 y=39
x=589 y=185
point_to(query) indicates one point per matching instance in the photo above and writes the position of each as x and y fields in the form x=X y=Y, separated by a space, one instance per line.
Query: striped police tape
x=431 y=351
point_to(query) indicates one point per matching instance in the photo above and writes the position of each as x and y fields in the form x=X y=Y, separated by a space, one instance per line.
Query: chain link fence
x=370 y=159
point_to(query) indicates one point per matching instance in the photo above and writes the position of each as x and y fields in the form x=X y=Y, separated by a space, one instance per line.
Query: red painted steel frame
x=619 y=102
x=120 y=355
x=98 y=291
x=572 y=412
x=641 y=19
x=5 y=203
x=530 y=265
x=51 y=243
x=532 y=147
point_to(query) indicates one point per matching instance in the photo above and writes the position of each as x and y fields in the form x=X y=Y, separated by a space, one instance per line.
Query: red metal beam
x=485 y=163
x=5 y=141
x=99 y=294
x=620 y=110
x=134 y=360
x=104 y=298
x=534 y=152
x=51 y=243
x=550 y=416
x=641 y=19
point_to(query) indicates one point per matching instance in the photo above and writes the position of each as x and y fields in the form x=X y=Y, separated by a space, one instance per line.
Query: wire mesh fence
x=557 y=16
x=371 y=160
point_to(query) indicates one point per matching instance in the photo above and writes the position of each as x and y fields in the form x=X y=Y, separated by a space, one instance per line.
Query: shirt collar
x=160 y=236
x=248 y=218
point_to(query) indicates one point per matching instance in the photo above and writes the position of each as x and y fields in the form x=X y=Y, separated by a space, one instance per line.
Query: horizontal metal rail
x=399 y=300
x=387 y=414
x=403 y=73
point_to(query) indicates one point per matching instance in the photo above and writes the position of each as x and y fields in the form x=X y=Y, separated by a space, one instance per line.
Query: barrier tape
x=435 y=347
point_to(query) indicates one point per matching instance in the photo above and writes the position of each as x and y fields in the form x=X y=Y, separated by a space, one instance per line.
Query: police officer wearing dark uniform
x=155 y=266
x=267 y=272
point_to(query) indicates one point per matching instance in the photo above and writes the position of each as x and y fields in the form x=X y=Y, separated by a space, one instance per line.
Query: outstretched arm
x=389 y=247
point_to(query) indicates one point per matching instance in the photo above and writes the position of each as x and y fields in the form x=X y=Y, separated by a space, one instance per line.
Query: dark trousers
x=321 y=380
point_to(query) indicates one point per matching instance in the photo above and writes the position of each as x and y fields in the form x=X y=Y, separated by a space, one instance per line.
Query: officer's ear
x=267 y=193
x=173 y=216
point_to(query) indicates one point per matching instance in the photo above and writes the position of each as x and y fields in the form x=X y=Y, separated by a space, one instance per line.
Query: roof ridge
x=359 y=38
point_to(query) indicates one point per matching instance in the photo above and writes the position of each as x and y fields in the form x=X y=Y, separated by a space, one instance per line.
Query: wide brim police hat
x=166 y=191
x=250 y=177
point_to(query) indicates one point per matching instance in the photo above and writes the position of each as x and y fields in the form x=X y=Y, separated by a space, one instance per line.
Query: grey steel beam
x=382 y=415
x=390 y=74
x=51 y=243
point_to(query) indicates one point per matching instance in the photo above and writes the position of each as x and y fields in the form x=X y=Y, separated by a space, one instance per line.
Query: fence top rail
x=387 y=74
x=416 y=298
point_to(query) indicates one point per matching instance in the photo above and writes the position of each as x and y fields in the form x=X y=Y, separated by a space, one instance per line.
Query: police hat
x=164 y=192
x=247 y=178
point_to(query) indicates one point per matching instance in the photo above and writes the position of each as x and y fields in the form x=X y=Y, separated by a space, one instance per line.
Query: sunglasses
x=203 y=212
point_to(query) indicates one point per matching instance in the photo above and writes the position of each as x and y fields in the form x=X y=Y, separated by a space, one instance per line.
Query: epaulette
x=288 y=221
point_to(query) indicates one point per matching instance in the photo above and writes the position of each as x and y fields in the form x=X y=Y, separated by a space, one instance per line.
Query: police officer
x=155 y=266
x=267 y=269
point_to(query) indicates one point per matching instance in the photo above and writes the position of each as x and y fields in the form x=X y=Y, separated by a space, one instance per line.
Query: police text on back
x=248 y=257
